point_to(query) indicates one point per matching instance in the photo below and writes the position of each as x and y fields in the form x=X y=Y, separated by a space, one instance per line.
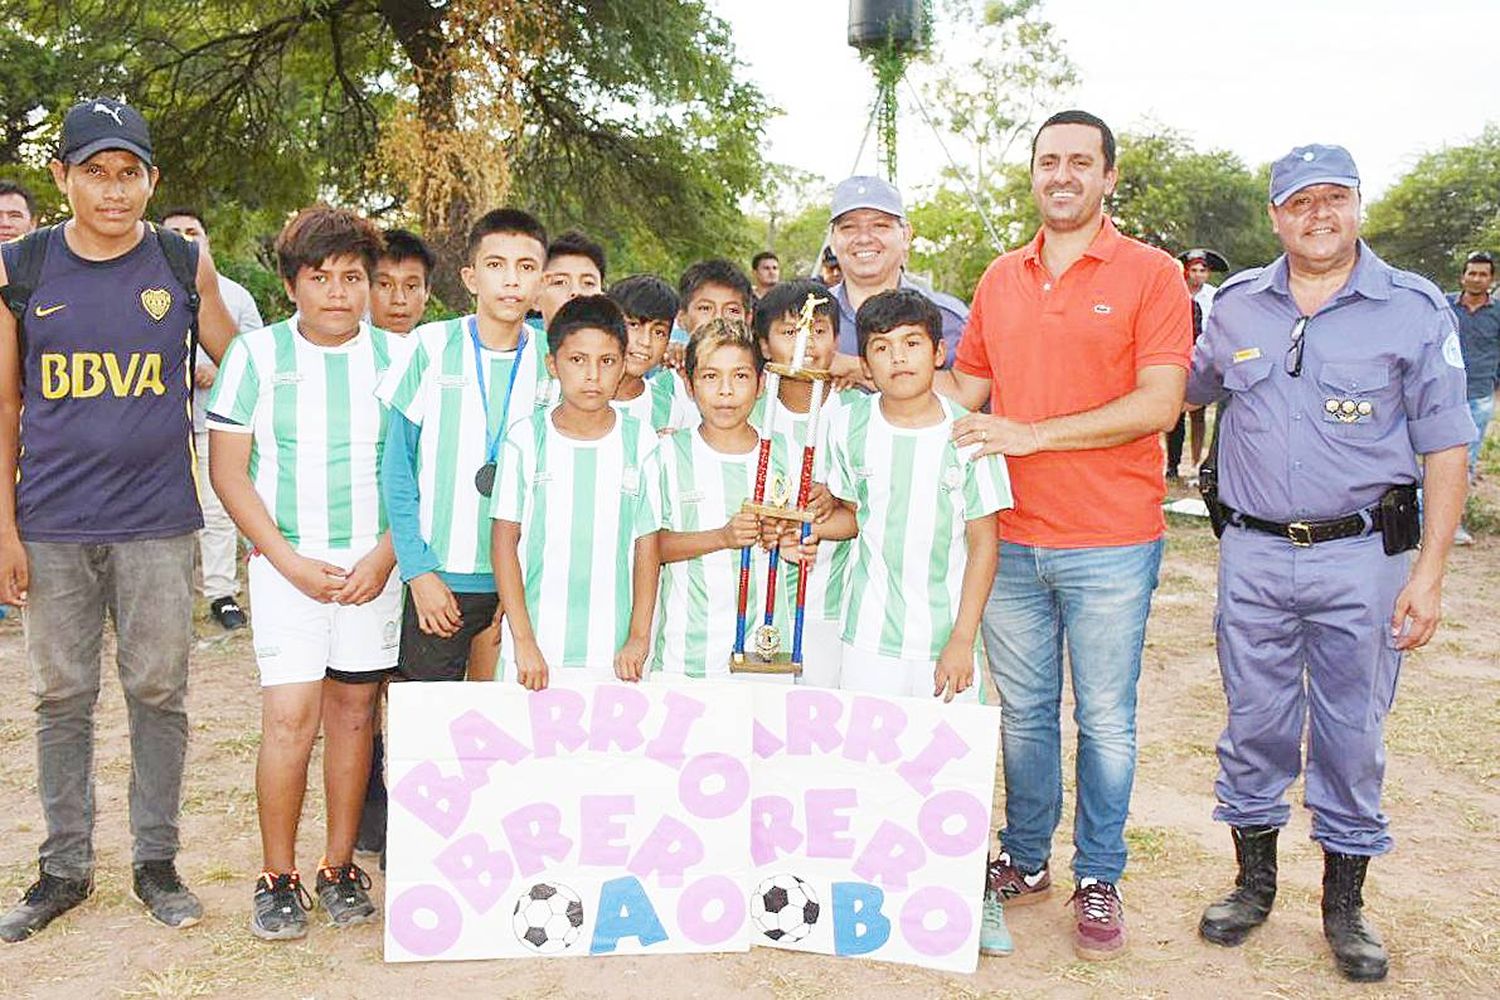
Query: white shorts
x=873 y=673
x=298 y=640
x=822 y=652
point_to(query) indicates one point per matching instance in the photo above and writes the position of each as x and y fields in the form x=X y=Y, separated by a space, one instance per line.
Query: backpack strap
x=23 y=270
x=182 y=261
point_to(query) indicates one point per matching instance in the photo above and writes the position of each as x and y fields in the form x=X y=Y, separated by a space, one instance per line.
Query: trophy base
x=750 y=663
x=776 y=513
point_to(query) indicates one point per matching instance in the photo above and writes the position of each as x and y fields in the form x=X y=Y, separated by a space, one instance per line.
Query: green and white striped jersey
x=664 y=405
x=915 y=494
x=436 y=387
x=318 y=430
x=581 y=506
x=825 y=591
x=696 y=611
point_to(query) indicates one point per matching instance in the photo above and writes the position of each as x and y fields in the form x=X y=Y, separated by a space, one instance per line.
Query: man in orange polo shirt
x=1079 y=341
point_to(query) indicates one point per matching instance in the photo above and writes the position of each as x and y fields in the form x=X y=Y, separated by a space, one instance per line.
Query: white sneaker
x=1462 y=536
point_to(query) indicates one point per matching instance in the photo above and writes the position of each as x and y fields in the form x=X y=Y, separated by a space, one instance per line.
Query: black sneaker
x=48 y=898
x=228 y=613
x=280 y=909
x=343 y=891
x=157 y=887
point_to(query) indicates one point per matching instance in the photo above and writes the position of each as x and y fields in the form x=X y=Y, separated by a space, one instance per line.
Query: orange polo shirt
x=1053 y=346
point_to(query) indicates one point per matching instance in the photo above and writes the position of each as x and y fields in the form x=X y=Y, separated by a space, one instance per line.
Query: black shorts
x=424 y=657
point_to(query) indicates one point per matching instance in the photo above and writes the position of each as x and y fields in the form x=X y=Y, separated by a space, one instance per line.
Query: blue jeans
x=1483 y=411
x=1094 y=601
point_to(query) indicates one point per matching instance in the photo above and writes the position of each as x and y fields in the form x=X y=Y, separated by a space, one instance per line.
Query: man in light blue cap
x=1336 y=372
x=870 y=235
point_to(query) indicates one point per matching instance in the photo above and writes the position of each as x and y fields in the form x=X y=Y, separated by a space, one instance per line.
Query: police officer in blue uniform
x=1336 y=373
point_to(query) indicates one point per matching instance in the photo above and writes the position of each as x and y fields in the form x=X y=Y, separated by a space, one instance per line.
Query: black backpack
x=24 y=269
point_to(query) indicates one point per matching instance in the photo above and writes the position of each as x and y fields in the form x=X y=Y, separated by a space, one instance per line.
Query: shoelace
x=1098 y=901
x=346 y=877
x=287 y=883
x=164 y=876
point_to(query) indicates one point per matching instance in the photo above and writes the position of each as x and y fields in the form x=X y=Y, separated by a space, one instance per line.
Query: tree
x=1447 y=205
x=625 y=117
x=1175 y=197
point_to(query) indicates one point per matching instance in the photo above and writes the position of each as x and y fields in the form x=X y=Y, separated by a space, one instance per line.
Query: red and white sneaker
x=1099 y=931
x=1015 y=887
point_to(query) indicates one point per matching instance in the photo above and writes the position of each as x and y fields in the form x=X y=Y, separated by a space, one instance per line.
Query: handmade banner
x=604 y=819
x=708 y=816
x=870 y=825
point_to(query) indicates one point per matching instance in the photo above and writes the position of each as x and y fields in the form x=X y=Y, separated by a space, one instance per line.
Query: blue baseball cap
x=1308 y=165
x=863 y=191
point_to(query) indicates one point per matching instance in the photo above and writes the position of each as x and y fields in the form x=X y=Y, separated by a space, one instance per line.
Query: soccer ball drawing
x=784 y=908
x=548 y=918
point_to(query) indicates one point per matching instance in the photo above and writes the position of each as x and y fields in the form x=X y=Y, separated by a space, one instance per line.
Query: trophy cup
x=766 y=655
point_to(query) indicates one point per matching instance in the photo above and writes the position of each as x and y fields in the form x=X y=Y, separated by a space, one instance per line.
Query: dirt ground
x=1437 y=898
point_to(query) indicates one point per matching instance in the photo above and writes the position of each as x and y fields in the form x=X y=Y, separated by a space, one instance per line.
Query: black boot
x=1357 y=950
x=1232 y=918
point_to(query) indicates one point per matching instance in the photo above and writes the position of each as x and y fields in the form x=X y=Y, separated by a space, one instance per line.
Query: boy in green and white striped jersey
x=295 y=440
x=649 y=391
x=707 y=474
x=462 y=384
x=775 y=320
x=925 y=556
x=576 y=509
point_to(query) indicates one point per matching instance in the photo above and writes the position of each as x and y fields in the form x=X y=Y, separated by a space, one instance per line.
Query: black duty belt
x=1305 y=533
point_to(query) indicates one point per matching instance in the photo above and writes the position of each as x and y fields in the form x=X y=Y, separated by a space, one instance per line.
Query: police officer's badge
x=1347 y=411
x=156 y=302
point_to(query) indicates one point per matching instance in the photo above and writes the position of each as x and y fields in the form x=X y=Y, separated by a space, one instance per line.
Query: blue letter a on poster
x=858 y=925
x=624 y=911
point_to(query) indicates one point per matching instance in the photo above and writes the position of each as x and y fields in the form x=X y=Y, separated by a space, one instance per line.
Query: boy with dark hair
x=574 y=267
x=926 y=551
x=707 y=475
x=403 y=282
x=649 y=392
x=296 y=436
x=576 y=511
x=775 y=318
x=709 y=289
x=452 y=398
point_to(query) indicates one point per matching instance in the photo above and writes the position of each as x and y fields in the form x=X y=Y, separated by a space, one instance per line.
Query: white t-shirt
x=915 y=495
x=581 y=506
x=318 y=431
x=434 y=383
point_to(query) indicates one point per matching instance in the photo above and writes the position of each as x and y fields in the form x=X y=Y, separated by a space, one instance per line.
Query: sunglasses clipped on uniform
x=1293 y=363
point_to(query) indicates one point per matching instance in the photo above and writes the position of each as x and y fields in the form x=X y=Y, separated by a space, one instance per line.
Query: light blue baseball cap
x=1308 y=165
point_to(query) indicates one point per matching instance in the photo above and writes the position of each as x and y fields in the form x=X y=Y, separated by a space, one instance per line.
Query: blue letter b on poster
x=858 y=925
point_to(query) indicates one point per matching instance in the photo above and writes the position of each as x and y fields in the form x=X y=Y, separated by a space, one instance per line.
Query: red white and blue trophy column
x=766 y=655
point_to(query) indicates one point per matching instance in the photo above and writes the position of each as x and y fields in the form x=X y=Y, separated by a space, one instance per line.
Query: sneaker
x=343 y=892
x=994 y=936
x=48 y=898
x=281 y=905
x=1013 y=886
x=1099 y=933
x=1461 y=536
x=157 y=887
x=228 y=613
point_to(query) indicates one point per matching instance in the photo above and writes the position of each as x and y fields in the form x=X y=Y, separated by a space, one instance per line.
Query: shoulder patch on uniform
x=1419 y=284
x=1452 y=352
x=1237 y=278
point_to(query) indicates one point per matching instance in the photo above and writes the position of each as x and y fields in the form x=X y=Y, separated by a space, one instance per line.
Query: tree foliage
x=624 y=117
x=1447 y=205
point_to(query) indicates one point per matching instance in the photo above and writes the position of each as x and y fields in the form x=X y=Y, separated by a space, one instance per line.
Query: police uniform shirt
x=1382 y=381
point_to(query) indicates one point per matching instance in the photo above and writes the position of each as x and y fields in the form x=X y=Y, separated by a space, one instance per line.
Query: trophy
x=766 y=655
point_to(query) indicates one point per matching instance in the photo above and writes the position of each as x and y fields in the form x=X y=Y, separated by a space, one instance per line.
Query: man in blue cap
x=870 y=236
x=1336 y=374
